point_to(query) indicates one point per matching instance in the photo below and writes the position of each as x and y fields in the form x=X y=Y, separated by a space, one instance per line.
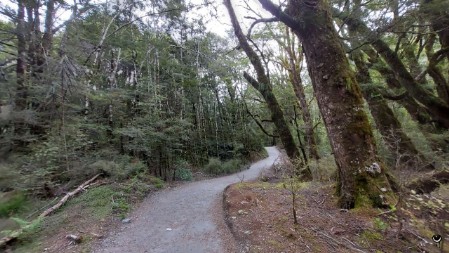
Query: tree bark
x=340 y=102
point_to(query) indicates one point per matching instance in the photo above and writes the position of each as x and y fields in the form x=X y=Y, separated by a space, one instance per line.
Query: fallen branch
x=74 y=239
x=68 y=196
x=15 y=234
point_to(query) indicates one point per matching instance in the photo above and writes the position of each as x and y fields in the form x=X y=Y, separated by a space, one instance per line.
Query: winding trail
x=186 y=219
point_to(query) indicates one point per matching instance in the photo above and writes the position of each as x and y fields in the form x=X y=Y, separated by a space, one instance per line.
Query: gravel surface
x=188 y=218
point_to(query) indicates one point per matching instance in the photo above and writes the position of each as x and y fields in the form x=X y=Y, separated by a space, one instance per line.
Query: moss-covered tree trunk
x=434 y=105
x=416 y=110
x=361 y=175
x=398 y=143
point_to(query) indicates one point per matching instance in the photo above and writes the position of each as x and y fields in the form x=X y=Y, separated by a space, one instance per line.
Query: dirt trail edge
x=185 y=219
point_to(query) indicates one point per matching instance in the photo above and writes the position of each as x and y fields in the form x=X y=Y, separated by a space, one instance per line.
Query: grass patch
x=369 y=236
x=97 y=201
x=157 y=182
x=10 y=203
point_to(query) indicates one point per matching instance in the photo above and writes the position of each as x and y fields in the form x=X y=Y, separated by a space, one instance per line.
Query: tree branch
x=257 y=21
x=281 y=15
x=259 y=124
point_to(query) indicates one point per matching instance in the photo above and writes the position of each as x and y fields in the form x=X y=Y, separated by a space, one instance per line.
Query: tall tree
x=361 y=174
x=294 y=68
x=263 y=85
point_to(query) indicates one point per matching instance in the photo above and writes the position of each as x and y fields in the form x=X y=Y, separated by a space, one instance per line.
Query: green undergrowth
x=87 y=212
x=11 y=203
x=218 y=167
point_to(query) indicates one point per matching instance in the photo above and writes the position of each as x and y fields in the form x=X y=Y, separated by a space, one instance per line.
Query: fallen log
x=429 y=182
x=68 y=196
x=15 y=234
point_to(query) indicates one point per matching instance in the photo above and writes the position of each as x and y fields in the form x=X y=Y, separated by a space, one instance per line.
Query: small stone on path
x=127 y=220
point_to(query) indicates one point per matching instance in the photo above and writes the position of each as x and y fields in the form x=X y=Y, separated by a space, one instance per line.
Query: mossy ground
x=90 y=215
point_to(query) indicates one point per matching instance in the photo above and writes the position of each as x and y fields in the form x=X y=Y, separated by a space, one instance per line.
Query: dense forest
x=356 y=92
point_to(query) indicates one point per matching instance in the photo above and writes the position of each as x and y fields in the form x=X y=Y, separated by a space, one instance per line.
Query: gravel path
x=186 y=219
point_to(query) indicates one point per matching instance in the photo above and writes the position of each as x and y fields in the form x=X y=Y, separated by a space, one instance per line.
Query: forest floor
x=261 y=218
x=188 y=217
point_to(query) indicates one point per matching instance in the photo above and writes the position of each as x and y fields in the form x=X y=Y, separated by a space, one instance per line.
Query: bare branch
x=257 y=21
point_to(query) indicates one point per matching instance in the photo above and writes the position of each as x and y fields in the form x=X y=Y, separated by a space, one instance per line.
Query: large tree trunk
x=361 y=174
x=277 y=115
x=263 y=85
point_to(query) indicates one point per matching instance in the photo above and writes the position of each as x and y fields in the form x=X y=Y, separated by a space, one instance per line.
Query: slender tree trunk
x=295 y=79
x=415 y=110
x=435 y=106
x=263 y=85
x=22 y=90
x=298 y=134
x=397 y=142
x=442 y=84
x=361 y=175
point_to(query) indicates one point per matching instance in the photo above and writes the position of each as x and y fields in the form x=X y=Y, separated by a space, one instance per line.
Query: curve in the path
x=186 y=219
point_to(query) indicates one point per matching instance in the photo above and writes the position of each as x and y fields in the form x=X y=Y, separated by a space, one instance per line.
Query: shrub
x=217 y=167
x=183 y=171
x=11 y=202
x=184 y=174
x=157 y=182
x=134 y=167
x=214 y=166
x=108 y=168
x=232 y=166
x=122 y=170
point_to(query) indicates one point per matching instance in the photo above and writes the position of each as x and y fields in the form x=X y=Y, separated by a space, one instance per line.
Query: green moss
x=362 y=200
x=368 y=237
x=379 y=224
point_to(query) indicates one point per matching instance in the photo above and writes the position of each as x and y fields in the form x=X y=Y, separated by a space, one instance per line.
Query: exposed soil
x=188 y=218
x=261 y=219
